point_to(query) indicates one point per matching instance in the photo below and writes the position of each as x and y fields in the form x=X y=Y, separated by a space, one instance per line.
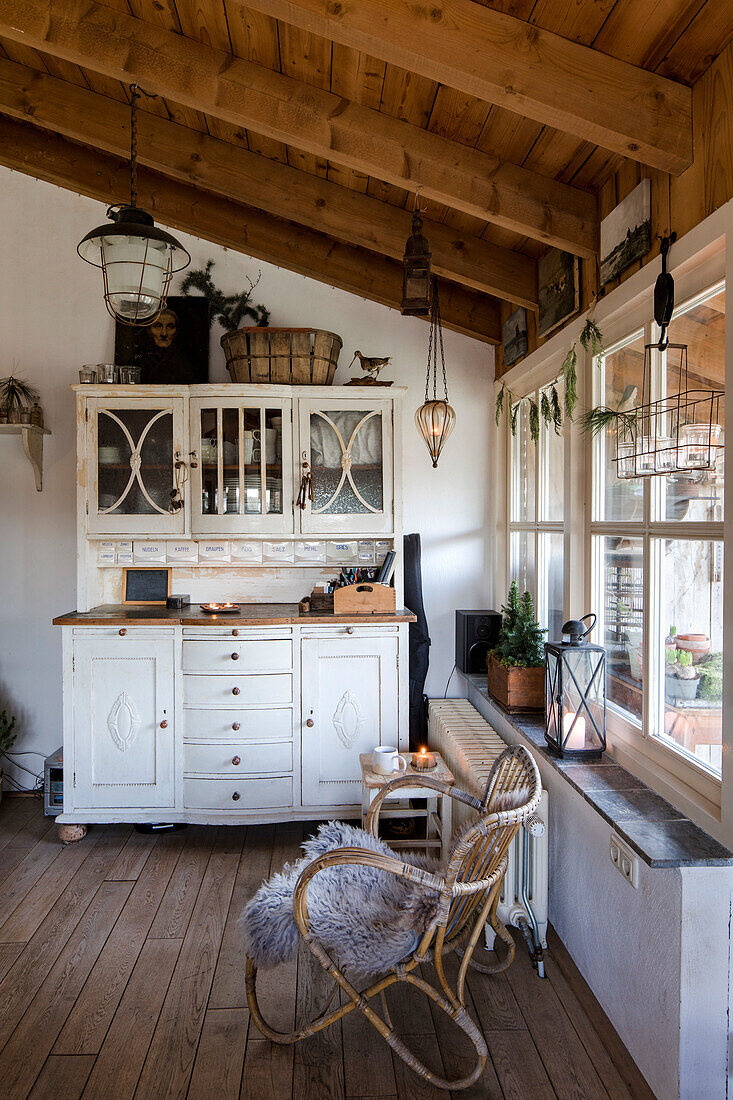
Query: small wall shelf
x=32 y=445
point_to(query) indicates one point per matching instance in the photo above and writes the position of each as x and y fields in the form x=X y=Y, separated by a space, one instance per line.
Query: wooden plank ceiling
x=498 y=187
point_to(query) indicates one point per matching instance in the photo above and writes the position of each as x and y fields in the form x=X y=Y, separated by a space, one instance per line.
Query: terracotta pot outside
x=697 y=644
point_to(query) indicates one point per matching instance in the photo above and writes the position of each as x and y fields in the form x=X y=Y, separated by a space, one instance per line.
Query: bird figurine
x=371 y=364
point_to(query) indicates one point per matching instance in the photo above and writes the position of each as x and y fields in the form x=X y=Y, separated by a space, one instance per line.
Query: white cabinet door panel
x=350 y=694
x=123 y=723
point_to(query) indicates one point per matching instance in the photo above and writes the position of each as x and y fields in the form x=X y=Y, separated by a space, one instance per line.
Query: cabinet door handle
x=235 y=656
x=235 y=726
x=123 y=631
x=235 y=796
x=235 y=633
x=236 y=760
x=309 y=722
x=164 y=724
x=235 y=691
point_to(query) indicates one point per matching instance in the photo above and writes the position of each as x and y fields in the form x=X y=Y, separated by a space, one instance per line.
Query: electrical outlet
x=625 y=860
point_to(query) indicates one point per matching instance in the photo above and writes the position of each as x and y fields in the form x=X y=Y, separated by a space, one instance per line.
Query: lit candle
x=423 y=760
x=573 y=735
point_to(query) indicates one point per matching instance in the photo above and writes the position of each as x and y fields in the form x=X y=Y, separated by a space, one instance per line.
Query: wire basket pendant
x=679 y=432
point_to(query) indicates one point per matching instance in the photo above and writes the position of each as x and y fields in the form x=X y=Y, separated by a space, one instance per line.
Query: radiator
x=469 y=746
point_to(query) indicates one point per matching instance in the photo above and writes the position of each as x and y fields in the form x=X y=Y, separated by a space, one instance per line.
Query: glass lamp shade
x=137 y=261
x=435 y=421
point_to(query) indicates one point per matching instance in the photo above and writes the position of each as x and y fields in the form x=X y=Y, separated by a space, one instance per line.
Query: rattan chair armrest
x=425 y=781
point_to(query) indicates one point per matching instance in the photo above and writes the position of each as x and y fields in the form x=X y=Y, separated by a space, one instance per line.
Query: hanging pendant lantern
x=678 y=433
x=435 y=419
x=416 y=271
x=137 y=259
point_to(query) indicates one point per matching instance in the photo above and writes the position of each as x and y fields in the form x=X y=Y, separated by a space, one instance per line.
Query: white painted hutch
x=257 y=716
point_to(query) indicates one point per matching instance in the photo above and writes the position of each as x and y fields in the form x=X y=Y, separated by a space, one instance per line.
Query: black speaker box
x=476 y=633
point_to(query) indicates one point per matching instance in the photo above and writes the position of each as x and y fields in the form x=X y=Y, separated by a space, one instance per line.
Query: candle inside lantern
x=423 y=760
x=573 y=735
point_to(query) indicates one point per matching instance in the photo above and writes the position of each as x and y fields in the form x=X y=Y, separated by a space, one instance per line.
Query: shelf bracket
x=33 y=447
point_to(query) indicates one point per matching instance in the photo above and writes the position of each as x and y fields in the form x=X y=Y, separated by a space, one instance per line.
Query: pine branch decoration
x=534 y=422
x=556 y=410
x=228 y=309
x=499 y=404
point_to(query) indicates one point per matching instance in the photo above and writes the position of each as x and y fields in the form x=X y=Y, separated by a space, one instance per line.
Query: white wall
x=53 y=320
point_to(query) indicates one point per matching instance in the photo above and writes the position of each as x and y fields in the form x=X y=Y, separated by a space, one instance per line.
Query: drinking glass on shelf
x=88 y=374
x=107 y=373
x=129 y=375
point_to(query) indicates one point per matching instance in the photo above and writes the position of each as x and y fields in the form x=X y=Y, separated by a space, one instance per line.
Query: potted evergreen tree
x=516 y=667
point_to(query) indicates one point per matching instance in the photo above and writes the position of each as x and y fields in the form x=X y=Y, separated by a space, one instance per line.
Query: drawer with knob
x=221 y=655
x=238 y=794
x=238 y=759
x=235 y=690
x=204 y=724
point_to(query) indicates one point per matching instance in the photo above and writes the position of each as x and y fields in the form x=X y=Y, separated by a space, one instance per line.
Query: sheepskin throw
x=367 y=918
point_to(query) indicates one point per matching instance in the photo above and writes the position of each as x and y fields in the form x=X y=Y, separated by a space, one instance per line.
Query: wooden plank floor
x=121 y=976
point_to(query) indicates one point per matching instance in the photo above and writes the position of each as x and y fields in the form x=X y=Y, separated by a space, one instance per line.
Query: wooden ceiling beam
x=28 y=149
x=215 y=165
x=311 y=119
x=502 y=59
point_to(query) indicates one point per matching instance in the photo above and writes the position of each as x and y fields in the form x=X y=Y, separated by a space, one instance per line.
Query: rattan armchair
x=468 y=889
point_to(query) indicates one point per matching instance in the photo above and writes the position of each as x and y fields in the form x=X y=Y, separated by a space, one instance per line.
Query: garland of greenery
x=550 y=409
x=228 y=309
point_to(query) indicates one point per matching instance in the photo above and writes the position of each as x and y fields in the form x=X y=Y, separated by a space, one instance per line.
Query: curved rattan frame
x=468 y=892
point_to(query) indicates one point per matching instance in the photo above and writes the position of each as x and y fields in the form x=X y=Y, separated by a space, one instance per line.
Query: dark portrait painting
x=173 y=349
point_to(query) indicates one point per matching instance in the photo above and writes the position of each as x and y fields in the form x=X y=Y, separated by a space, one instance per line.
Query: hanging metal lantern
x=678 y=433
x=435 y=419
x=575 y=693
x=416 y=271
x=137 y=259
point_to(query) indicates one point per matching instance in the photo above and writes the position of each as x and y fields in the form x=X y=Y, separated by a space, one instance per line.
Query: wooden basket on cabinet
x=289 y=356
x=364 y=598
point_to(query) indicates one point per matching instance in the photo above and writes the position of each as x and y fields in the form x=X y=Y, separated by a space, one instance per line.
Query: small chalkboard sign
x=141 y=586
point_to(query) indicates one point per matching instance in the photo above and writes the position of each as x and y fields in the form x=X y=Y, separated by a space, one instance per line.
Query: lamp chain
x=134 y=96
x=436 y=334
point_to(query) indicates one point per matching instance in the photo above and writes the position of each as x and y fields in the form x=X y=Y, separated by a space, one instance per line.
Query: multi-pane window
x=536 y=520
x=657 y=552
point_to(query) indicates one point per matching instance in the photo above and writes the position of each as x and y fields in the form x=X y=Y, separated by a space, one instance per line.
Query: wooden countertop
x=251 y=614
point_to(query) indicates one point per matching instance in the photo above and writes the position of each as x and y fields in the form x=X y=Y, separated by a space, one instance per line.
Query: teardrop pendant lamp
x=435 y=419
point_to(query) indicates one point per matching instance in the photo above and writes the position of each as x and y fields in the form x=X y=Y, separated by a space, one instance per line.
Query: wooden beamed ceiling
x=272 y=109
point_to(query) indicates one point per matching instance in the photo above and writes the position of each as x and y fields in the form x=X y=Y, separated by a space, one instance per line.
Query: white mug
x=386 y=759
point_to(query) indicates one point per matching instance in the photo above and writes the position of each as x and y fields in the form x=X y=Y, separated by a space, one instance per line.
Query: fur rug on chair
x=367 y=918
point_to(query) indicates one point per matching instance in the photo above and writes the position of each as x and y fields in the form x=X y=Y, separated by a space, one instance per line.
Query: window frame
x=701 y=258
x=534 y=526
x=638 y=736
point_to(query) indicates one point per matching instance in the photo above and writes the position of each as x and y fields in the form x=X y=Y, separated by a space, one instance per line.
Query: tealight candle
x=423 y=760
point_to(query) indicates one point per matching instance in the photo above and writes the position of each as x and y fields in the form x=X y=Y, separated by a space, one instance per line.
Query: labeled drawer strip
x=236 y=655
x=270 y=724
x=233 y=759
x=219 y=691
x=238 y=794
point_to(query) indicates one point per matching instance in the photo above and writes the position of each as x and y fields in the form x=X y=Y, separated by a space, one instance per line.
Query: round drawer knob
x=235 y=726
x=349 y=630
x=235 y=796
x=235 y=656
x=235 y=691
x=164 y=724
x=235 y=633
x=123 y=631
x=236 y=760
x=309 y=722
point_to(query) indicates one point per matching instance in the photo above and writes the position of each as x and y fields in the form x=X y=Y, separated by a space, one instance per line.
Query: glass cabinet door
x=133 y=448
x=349 y=448
x=243 y=478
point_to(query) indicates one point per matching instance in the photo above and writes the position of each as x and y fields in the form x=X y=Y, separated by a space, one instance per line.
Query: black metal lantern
x=575 y=693
x=137 y=259
x=416 y=268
